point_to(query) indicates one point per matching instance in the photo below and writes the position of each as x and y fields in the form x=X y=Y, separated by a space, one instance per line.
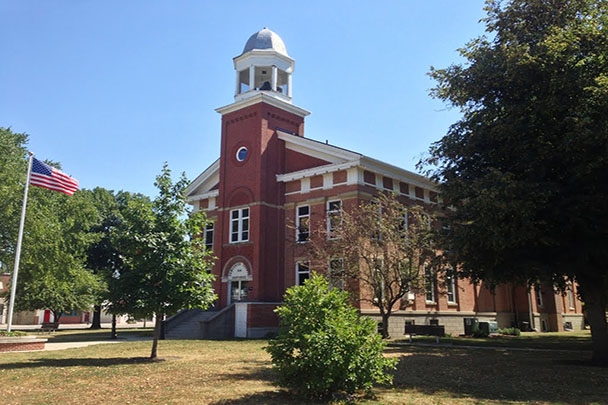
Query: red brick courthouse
x=269 y=176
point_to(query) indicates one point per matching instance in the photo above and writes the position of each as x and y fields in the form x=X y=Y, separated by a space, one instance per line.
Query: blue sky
x=113 y=89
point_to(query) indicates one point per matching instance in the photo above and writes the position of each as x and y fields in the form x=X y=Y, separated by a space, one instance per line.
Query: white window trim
x=298 y=216
x=329 y=270
x=298 y=272
x=570 y=293
x=210 y=227
x=240 y=220
x=451 y=282
x=328 y=216
x=433 y=286
x=539 y=296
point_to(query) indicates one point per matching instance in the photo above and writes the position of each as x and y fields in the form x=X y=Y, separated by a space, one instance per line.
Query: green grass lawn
x=239 y=372
x=580 y=340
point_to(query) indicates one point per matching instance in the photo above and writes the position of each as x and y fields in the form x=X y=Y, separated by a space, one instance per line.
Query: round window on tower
x=241 y=154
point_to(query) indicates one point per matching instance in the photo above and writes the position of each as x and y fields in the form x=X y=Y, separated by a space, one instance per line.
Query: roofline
x=263 y=98
x=317 y=145
x=203 y=176
x=363 y=161
x=263 y=52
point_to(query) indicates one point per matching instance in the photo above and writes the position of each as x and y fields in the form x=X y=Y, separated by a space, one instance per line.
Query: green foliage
x=53 y=272
x=478 y=332
x=14 y=333
x=163 y=269
x=523 y=172
x=324 y=346
x=510 y=331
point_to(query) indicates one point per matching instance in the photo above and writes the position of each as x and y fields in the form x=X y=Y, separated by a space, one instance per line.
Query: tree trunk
x=114 y=335
x=594 y=297
x=157 y=326
x=96 y=323
x=385 y=317
x=57 y=317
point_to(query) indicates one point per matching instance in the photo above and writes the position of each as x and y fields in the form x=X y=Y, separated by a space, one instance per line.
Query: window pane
x=303 y=210
x=235 y=214
x=245 y=212
x=245 y=225
x=245 y=236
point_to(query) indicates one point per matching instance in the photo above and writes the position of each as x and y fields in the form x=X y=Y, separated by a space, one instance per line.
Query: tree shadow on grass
x=500 y=375
x=80 y=362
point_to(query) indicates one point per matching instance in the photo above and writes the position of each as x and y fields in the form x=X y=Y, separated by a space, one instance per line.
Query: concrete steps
x=187 y=324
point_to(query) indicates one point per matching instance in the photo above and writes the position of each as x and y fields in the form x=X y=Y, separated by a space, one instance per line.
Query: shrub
x=14 y=333
x=477 y=332
x=324 y=346
x=510 y=331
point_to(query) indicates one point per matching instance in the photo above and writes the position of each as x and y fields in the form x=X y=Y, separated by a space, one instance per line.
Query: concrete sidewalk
x=83 y=326
x=51 y=346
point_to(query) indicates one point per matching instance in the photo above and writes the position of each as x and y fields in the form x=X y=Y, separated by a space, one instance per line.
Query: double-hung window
x=429 y=285
x=239 y=225
x=539 y=295
x=334 y=218
x=303 y=223
x=570 y=296
x=336 y=273
x=209 y=236
x=450 y=280
x=302 y=272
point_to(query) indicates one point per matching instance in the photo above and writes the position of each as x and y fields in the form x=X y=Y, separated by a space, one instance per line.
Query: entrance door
x=238 y=291
x=47 y=316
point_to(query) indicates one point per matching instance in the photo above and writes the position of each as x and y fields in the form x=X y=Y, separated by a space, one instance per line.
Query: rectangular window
x=451 y=288
x=336 y=273
x=239 y=225
x=570 y=297
x=404 y=223
x=334 y=218
x=429 y=285
x=303 y=223
x=302 y=272
x=539 y=296
x=209 y=236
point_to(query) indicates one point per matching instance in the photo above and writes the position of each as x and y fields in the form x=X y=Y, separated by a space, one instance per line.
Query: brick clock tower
x=240 y=192
x=250 y=225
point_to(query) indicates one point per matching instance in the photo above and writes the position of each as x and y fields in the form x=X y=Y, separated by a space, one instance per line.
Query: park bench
x=425 y=330
x=49 y=326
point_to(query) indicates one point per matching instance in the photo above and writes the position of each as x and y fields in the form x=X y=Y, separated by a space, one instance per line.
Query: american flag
x=47 y=176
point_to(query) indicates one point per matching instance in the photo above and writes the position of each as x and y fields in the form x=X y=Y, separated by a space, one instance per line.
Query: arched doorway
x=239 y=282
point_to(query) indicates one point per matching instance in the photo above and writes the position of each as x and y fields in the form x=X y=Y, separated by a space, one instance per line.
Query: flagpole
x=18 y=251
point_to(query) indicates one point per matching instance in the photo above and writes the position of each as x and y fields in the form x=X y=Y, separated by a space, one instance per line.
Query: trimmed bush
x=510 y=331
x=324 y=347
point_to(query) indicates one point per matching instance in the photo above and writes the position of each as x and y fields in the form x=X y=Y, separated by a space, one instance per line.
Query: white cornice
x=263 y=98
x=317 y=146
x=315 y=171
x=210 y=171
x=396 y=173
x=208 y=194
x=262 y=52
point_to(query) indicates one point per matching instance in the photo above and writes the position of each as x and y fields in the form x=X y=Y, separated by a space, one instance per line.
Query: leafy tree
x=164 y=266
x=13 y=166
x=324 y=346
x=102 y=256
x=525 y=168
x=385 y=248
x=53 y=271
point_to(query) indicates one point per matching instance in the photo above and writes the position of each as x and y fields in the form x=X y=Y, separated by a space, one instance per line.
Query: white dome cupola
x=264 y=67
